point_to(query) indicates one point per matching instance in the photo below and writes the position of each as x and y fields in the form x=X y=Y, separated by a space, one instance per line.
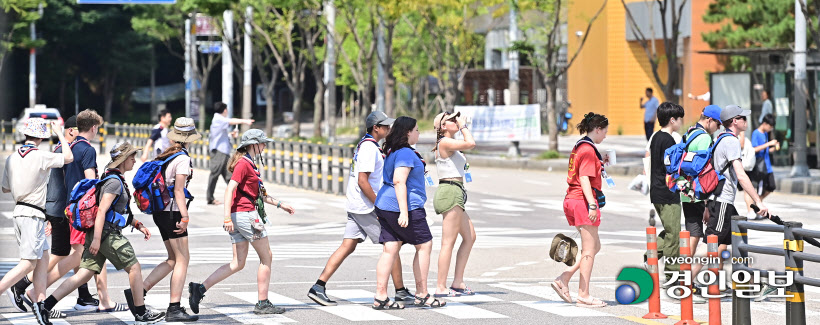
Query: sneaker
x=266 y=307
x=55 y=314
x=16 y=299
x=41 y=314
x=652 y=217
x=766 y=292
x=697 y=295
x=89 y=303
x=404 y=295
x=178 y=314
x=150 y=317
x=318 y=295
x=197 y=292
x=129 y=298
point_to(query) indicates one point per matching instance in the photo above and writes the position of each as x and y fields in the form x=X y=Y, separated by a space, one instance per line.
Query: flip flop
x=466 y=291
x=559 y=289
x=450 y=293
x=117 y=307
x=590 y=302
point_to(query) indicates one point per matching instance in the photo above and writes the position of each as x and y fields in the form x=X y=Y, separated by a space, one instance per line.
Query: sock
x=400 y=289
x=174 y=305
x=83 y=291
x=50 y=302
x=321 y=283
x=139 y=310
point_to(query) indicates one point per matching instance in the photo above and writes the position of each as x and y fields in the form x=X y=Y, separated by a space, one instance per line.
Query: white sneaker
x=751 y=215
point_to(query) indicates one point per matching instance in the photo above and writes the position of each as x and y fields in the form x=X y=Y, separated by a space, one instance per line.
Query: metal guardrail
x=792 y=251
x=321 y=167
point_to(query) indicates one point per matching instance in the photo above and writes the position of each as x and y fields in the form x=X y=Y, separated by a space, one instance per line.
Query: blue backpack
x=677 y=159
x=151 y=194
x=698 y=168
x=83 y=205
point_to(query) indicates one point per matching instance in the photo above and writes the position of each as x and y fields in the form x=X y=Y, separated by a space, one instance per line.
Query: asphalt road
x=516 y=214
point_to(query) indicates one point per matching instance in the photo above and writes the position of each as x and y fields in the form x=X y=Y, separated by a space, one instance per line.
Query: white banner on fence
x=503 y=123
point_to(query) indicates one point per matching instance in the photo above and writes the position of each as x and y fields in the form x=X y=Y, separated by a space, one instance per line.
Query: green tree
x=14 y=23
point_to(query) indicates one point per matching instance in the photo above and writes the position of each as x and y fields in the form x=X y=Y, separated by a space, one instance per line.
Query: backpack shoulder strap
x=692 y=135
x=714 y=147
x=582 y=141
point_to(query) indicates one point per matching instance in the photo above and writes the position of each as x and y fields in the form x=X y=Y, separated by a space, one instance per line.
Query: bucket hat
x=563 y=250
x=253 y=136
x=184 y=131
x=120 y=152
x=37 y=128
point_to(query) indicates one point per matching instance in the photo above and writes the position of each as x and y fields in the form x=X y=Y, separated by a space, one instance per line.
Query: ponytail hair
x=174 y=148
x=236 y=157
x=591 y=122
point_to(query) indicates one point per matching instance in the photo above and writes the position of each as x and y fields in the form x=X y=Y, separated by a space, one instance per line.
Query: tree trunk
x=318 y=108
x=297 y=111
x=202 y=93
x=108 y=95
x=552 y=87
x=269 y=112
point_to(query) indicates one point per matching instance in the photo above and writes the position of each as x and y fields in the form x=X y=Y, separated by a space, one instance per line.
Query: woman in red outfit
x=581 y=206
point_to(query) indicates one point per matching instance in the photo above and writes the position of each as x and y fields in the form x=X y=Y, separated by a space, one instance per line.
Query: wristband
x=184 y=220
x=278 y=205
x=139 y=225
x=227 y=221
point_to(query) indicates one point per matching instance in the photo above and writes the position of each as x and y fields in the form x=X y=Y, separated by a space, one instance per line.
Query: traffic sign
x=206 y=26
x=209 y=46
x=126 y=2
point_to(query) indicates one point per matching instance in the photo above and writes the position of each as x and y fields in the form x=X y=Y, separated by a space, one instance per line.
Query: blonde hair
x=236 y=157
x=174 y=148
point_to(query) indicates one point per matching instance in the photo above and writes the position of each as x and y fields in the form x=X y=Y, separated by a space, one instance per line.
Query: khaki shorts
x=31 y=237
x=243 y=227
x=363 y=226
x=114 y=248
x=448 y=196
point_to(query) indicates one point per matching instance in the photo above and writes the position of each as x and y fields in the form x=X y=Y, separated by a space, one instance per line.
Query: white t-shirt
x=368 y=158
x=181 y=165
x=27 y=178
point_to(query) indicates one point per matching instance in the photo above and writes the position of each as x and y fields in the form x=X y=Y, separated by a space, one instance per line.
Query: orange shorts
x=577 y=212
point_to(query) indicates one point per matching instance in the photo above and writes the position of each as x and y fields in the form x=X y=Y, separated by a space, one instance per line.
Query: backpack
x=83 y=205
x=748 y=155
x=151 y=192
x=699 y=169
x=675 y=158
x=599 y=195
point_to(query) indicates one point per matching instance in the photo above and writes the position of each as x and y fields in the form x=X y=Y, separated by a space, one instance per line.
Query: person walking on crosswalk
x=245 y=222
x=582 y=206
x=450 y=201
x=172 y=222
x=400 y=207
x=362 y=222
x=26 y=174
x=105 y=241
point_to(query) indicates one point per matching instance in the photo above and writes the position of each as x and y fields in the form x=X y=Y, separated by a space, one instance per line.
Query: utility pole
x=800 y=168
x=32 y=65
x=514 y=149
x=187 y=76
x=246 y=73
x=227 y=64
x=380 y=73
x=153 y=85
x=330 y=70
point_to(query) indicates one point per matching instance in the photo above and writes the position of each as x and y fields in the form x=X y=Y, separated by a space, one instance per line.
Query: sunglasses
x=740 y=117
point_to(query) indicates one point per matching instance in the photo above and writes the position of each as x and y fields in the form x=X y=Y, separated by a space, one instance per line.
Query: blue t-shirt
x=759 y=139
x=85 y=157
x=650 y=107
x=416 y=193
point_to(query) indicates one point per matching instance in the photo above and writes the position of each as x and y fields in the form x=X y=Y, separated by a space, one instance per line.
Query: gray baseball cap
x=729 y=112
x=378 y=118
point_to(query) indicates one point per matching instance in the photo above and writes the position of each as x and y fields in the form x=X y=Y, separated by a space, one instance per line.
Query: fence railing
x=793 y=238
x=307 y=165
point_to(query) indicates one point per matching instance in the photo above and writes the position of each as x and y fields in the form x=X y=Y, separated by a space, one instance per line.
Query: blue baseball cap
x=712 y=111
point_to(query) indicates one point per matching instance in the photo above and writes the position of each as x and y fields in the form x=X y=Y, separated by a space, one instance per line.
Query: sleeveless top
x=450 y=167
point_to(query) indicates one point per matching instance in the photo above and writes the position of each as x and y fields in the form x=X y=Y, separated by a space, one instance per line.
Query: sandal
x=450 y=293
x=561 y=290
x=117 y=307
x=466 y=291
x=386 y=304
x=433 y=304
x=590 y=302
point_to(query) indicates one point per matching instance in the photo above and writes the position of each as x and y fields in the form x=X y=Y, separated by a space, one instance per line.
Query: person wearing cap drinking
x=362 y=221
x=245 y=222
x=105 y=241
x=726 y=158
x=26 y=174
x=450 y=201
x=172 y=222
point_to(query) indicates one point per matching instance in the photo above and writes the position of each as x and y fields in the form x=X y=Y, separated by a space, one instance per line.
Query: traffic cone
x=652 y=267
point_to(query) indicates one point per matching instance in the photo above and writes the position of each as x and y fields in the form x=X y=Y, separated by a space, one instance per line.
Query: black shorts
x=166 y=221
x=720 y=221
x=764 y=183
x=60 y=236
x=417 y=231
x=693 y=218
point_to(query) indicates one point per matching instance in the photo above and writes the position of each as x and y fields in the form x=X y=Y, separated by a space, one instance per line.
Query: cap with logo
x=378 y=118
x=732 y=111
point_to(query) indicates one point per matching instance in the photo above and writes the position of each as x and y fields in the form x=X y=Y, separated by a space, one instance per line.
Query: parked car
x=48 y=114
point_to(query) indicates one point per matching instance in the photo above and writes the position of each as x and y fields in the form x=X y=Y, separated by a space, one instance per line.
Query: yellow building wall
x=610 y=74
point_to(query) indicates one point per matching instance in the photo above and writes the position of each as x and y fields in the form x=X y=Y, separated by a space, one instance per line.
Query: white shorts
x=31 y=237
x=362 y=226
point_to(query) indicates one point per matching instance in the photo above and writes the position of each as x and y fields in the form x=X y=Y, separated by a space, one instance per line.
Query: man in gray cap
x=726 y=159
x=362 y=223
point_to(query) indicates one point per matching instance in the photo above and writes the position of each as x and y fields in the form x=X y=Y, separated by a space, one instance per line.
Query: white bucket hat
x=184 y=131
x=37 y=128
